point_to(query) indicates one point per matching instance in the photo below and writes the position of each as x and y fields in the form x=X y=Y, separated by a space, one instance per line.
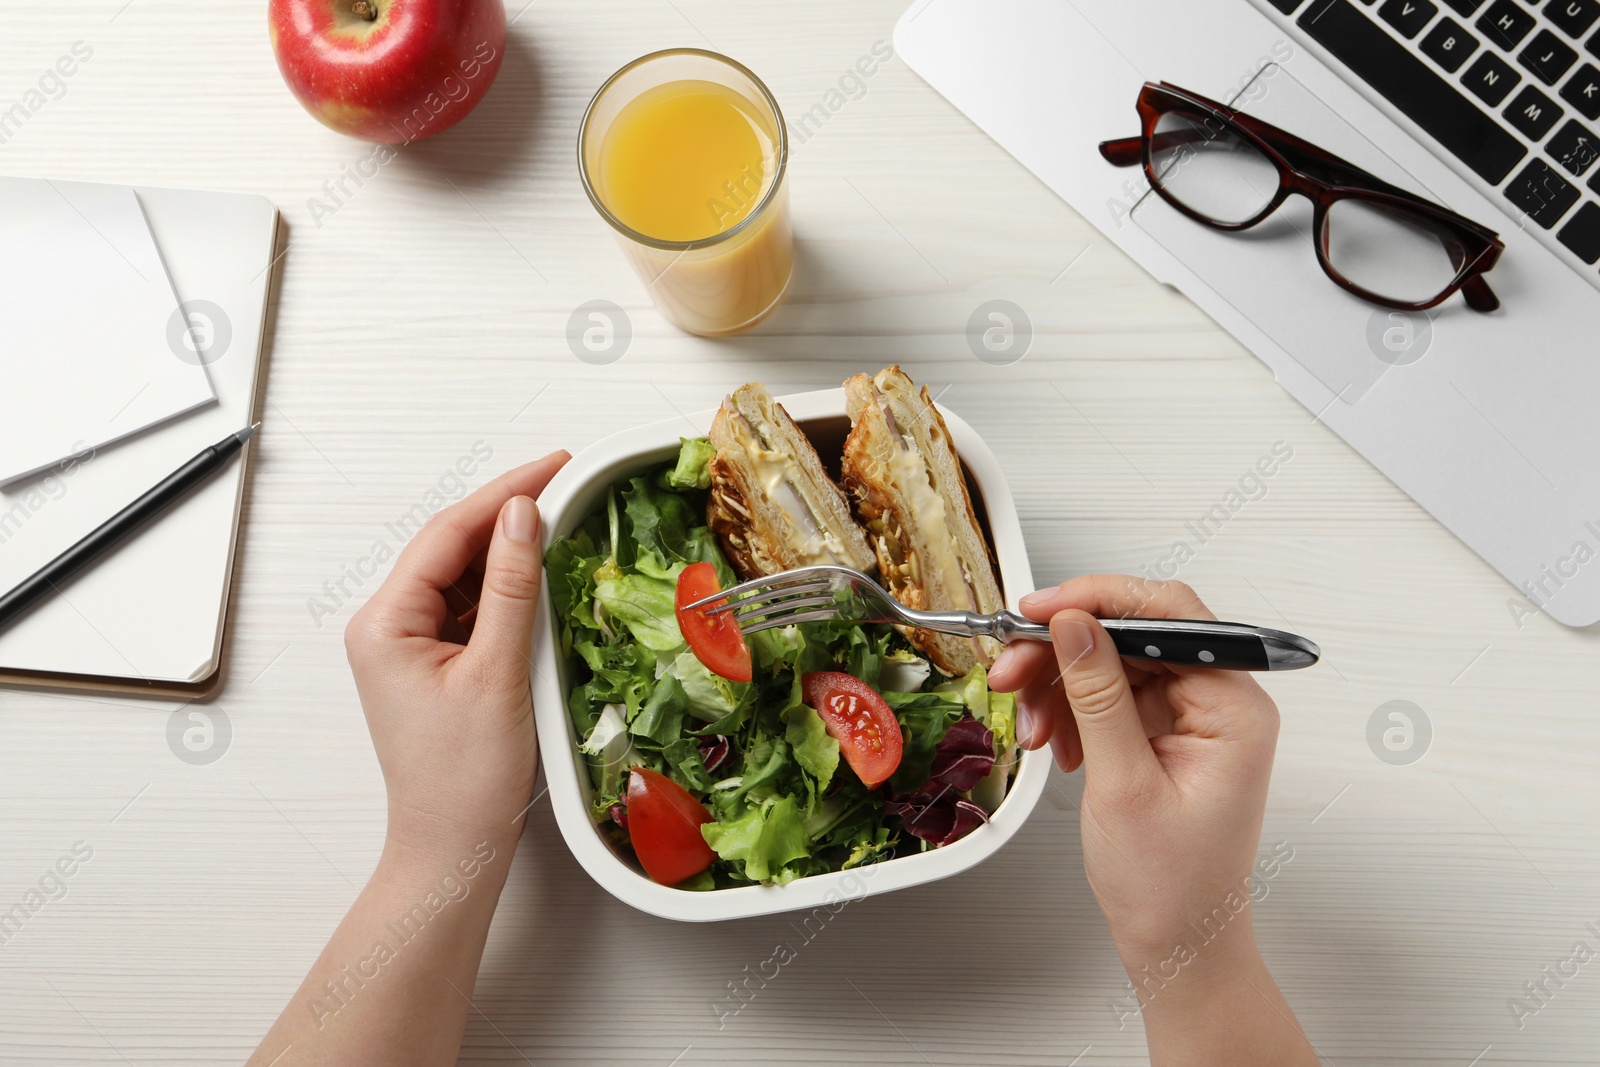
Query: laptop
x=1490 y=107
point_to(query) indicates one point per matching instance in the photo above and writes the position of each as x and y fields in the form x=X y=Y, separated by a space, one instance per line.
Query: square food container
x=579 y=489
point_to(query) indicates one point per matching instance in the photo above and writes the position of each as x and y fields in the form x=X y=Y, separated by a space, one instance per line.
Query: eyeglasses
x=1225 y=169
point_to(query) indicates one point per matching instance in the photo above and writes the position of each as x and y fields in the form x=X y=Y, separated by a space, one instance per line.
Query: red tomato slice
x=664 y=824
x=715 y=640
x=868 y=733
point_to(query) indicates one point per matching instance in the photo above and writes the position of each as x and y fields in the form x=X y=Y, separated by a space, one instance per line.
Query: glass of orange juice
x=684 y=152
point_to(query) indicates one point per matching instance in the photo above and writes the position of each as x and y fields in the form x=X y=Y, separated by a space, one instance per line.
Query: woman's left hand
x=441 y=655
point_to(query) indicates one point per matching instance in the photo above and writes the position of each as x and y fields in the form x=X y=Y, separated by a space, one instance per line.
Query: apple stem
x=364 y=9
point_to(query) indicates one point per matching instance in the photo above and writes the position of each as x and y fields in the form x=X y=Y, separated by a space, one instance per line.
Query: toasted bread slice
x=909 y=491
x=772 y=503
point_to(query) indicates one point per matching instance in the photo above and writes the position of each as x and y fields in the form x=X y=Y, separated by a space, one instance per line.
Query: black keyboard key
x=1548 y=56
x=1534 y=113
x=1505 y=23
x=1491 y=79
x=1575 y=148
x=1582 y=233
x=1465 y=7
x=1594 y=182
x=1594 y=44
x=1583 y=92
x=1407 y=16
x=1287 y=6
x=1408 y=83
x=1542 y=193
x=1573 y=17
x=1449 y=44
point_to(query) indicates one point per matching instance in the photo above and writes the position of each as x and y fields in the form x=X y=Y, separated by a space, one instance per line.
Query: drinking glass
x=726 y=282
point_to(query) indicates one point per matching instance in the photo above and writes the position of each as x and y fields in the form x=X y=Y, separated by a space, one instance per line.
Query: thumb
x=1116 y=752
x=502 y=635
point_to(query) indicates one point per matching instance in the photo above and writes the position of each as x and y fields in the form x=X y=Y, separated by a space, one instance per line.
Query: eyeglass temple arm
x=1129 y=151
x=1479 y=297
x=1124 y=151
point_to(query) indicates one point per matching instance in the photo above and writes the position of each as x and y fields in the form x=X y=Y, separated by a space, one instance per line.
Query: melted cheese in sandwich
x=928 y=512
x=778 y=475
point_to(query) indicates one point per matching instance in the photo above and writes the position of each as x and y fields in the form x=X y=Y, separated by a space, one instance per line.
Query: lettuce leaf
x=709 y=697
x=813 y=749
x=775 y=649
x=997 y=711
x=611 y=754
x=687 y=768
x=989 y=793
x=763 y=841
x=661 y=717
x=693 y=469
x=972 y=689
x=646 y=606
x=1002 y=719
x=764 y=763
x=661 y=522
x=841 y=645
x=619 y=673
x=568 y=568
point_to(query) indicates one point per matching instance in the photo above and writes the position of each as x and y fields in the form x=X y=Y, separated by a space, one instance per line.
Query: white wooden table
x=429 y=313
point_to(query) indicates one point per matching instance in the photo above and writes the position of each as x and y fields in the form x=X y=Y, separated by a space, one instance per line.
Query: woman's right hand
x=1176 y=759
x=1176 y=766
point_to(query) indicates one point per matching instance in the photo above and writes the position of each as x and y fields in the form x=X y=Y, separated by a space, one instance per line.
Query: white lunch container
x=580 y=489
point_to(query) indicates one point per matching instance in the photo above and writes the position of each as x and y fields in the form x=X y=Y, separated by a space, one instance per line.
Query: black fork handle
x=1227 y=646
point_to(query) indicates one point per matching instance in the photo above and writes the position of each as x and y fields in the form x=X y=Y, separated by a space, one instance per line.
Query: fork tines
x=778 y=600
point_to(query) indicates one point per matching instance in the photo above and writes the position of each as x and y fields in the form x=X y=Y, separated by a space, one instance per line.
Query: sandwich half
x=910 y=493
x=772 y=503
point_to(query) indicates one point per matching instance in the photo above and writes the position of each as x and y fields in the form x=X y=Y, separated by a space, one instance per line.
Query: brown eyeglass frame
x=1322 y=178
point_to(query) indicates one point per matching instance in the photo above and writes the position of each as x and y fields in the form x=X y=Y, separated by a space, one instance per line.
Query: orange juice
x=684 y=161
x=690 y=172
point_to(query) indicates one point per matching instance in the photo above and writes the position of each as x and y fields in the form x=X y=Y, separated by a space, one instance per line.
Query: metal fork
x=820 y=593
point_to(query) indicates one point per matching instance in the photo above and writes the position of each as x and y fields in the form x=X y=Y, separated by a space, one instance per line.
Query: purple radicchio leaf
x=964 y=756
x=619 y=814
x=713 y=751
x=938 y=818
x=937 y=812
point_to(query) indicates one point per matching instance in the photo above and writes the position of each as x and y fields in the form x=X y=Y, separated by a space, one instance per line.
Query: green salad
x=781 y=802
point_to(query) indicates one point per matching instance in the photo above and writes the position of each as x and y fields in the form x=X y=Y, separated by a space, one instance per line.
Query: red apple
x=388 y=70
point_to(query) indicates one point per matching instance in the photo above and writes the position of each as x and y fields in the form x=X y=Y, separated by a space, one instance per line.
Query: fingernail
x=517 y=519
x=1025 y=726
x=1035 y=598
x=1002 y=662
x=1058 y=748
x=1073 y=639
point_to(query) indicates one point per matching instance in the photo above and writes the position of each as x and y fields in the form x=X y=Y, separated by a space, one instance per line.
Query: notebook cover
x=150 y=617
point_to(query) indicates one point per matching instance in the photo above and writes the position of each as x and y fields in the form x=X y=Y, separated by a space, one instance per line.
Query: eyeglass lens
x=1393 y=254
x=1211 y=169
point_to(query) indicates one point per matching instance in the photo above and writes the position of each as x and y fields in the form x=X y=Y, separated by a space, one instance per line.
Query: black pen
x=115 y=530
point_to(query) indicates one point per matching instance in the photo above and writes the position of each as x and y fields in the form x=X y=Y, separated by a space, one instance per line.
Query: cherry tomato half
x=868 y=733
x=664 y=825
x=715 y=640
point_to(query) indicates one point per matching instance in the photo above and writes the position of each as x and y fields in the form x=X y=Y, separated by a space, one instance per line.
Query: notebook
x=93 y=331
x=149 y=616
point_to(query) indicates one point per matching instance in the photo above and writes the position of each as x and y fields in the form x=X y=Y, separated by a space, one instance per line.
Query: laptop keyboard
x=1511 y=87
